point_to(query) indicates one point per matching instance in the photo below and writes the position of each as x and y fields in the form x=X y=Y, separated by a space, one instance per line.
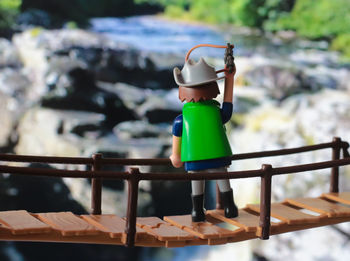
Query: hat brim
x=180 y=81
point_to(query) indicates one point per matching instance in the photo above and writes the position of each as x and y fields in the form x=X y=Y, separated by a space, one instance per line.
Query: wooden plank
x=67 y=223
x=115 y=226
x=164 y=231
x=287 y=214
x=111 y=224
x=204 y=230
x=21 y=222
x=245 y=220
x=321 y=206
x=343 y=197
x=323 y=222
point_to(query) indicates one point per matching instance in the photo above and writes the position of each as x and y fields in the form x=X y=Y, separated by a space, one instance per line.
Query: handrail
x=179 y=176
x=157 y=161
x=45 y=159
x=133 y=176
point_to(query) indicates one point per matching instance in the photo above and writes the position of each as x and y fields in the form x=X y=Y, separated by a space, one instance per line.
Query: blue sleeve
x=177 y=126
x=226 y=111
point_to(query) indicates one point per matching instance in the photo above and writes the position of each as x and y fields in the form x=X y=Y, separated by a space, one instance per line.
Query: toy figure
x=199 y=138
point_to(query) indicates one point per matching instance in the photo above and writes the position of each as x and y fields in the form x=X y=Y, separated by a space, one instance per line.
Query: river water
x=157 y=35
x=150 y=33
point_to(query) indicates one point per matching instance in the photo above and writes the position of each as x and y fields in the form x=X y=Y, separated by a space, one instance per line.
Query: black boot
x=230 y=207
x=198 y=211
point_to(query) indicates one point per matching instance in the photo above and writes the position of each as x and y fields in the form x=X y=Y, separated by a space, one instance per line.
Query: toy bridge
x=254 y=221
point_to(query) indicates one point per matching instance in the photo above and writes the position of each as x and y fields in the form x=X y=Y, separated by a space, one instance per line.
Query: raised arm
x=230 y=71
x=229 y=83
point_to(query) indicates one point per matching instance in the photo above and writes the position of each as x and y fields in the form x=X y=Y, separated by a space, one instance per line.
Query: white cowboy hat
x=193 y=74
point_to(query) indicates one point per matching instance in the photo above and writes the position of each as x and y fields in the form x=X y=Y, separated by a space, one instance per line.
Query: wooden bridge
x=254 y=221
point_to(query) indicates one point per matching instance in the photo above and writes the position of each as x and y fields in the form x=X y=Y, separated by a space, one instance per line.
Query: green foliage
x=174 y=11
x=317 y=19
x=246 y=12
x=165 y=3
x=342 y=43
x=8 y=12
x=10 y=4
x=210 y=11
x=241 y=12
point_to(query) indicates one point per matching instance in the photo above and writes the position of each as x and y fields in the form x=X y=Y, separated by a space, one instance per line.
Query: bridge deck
x=175 y=231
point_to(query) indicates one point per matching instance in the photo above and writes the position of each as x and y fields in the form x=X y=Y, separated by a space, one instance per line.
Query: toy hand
x=176 y=161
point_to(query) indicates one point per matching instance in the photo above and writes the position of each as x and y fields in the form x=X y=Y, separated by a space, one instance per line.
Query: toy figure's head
x=197 y=81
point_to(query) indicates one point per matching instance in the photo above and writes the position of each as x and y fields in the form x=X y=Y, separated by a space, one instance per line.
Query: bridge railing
x=133 y=176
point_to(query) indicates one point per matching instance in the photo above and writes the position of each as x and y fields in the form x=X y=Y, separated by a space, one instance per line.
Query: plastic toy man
x=199 y=138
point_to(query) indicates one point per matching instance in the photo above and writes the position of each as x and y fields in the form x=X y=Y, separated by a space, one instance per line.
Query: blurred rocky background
x=80 y=77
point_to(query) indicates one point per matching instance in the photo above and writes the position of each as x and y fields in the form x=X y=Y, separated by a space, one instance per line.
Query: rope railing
x=134 y=176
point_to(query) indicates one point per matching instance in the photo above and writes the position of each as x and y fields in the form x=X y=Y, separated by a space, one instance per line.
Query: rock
x=7 y=118
x=60 y=40
x=344 y=78
x=50 y=132
x=73 y=133
x=130 y=95
x=157 y=109
x=140 y=129
x=144 y=140
x=15 y=83
x=33 y=59
x=107 y=60
x=280 y=82
x=8 y=55
x=313 y=57
x=58 y=68
x=155 y=106
x=78 y=92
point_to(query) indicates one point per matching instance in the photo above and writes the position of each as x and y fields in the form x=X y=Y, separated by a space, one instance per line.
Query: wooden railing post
x=346 y=150
x=133 y=186
x=334 y=187
x=96 y=186
x=265 y=201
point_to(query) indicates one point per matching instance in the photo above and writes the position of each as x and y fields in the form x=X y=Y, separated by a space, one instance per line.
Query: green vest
x=203 y=134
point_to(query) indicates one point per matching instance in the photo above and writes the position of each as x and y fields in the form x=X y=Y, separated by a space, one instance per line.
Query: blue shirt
x=226 y=113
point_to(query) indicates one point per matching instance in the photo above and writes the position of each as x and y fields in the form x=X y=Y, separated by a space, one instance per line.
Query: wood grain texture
x=111 y=224
x=204 y=230
x=343 y=197
x=67 y=223
x=320 y=206
x=162 y=230
x=245 y=220
x=21 y=222
x=114 y=226
x=287 y=214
